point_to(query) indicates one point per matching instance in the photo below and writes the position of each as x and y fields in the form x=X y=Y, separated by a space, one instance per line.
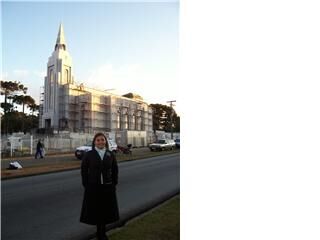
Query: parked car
x=177 y=141
x=162 y=144
x=171 y=143
x=80 y=151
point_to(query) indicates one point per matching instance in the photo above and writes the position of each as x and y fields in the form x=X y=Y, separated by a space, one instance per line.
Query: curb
x=65 y=170
x=136 y=213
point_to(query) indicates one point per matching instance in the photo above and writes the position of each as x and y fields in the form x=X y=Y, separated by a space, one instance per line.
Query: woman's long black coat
x=100 y=201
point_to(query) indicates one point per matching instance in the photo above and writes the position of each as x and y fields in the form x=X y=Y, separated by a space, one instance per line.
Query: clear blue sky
x=126 y=46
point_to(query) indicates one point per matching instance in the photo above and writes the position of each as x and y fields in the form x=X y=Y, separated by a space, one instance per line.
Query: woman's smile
x=100 y=142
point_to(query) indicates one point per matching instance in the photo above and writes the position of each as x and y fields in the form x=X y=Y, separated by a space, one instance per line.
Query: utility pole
x=171 y=116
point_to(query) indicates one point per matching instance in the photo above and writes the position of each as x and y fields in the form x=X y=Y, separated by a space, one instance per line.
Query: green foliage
x=162 y=118
x=159 y=224
x=176 y=123
x=33 y=107
x=14 y=121
x=18 y=122
x=7 y=107
x=8 y=89
x=23 y=100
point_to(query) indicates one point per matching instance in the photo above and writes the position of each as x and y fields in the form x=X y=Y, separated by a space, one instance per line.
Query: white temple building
x=71 y=107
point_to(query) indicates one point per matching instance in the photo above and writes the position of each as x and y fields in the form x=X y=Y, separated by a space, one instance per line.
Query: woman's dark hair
x=98 y=135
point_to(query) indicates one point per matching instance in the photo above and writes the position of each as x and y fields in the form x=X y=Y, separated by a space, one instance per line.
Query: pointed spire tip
x=61 y=39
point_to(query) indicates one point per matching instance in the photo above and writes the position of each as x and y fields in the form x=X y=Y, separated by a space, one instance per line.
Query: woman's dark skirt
x=100 y=205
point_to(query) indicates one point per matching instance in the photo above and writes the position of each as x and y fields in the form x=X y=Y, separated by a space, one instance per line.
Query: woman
x=99 y=171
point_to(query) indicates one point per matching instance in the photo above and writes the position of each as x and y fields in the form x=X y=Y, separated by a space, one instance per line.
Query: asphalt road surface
x=47 y=207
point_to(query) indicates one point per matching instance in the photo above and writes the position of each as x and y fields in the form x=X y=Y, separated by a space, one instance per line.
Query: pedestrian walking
x=39 y=150
x=99 y=172
x=42 y=149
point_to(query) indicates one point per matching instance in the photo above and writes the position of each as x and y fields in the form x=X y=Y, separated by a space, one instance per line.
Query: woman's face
x=100 y=142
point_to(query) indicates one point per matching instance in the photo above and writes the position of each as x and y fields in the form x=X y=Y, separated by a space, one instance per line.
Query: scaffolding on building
x=86 y=111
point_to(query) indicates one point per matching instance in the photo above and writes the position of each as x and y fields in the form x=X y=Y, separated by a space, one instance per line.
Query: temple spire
x=61 y=42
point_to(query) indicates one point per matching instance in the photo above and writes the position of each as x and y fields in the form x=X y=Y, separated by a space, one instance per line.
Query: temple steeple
x=59 y=77
x=61 y=42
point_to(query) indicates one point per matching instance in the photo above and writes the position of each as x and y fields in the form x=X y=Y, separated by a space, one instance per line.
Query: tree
x=23 y=100
x=12 y=122
x=8 y=88
x=161 y=117
x=6 y=107
x=157 y=115
x=33 y=107
x=29 y=101
x=17 y=99
x=176 y=123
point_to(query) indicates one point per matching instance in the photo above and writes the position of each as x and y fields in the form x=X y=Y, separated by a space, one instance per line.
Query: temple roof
x=61 y=42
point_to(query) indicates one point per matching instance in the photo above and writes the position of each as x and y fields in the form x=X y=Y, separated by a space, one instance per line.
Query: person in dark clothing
x=39 y=150
x=99 y=172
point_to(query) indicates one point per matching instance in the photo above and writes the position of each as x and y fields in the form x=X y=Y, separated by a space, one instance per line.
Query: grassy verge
x=46 y=168
x=74 y=164
x=162 y=223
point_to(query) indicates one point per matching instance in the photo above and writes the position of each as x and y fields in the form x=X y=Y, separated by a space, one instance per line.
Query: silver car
x=80 y=151
x=162 y=144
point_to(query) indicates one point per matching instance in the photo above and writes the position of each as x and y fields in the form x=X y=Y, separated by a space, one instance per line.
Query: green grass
x=163 y=223
x=63 y=164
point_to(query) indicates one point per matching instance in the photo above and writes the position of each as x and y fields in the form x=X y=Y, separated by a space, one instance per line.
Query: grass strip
x=161 y=223
x=47 y=168
x=74 y=164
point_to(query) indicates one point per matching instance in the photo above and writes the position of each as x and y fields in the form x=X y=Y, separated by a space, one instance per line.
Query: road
x=47 y=207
